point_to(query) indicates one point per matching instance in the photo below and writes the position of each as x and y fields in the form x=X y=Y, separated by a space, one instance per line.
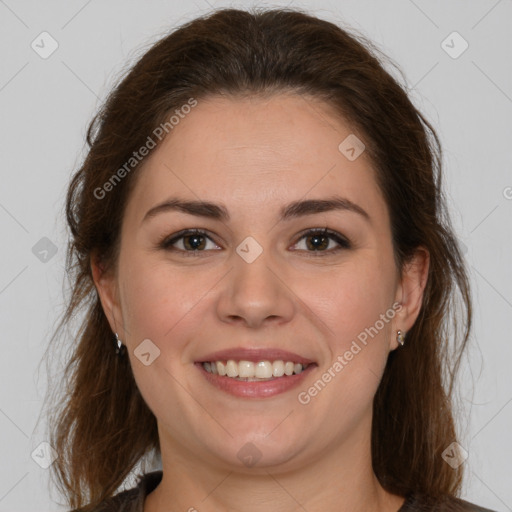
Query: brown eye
x=321 y=241
x=195 y=241
x=317 y=241
x=188 y=241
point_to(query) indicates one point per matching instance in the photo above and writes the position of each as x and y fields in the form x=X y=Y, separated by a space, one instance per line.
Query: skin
x=254 y=156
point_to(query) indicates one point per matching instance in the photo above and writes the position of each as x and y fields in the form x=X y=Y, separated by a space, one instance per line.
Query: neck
x=340 y=480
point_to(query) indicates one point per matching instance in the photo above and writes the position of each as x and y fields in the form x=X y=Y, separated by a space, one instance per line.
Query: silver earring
x=120 y=346
x=400 y=337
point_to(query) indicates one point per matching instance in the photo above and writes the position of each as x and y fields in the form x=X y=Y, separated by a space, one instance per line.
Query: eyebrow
x=288 y=212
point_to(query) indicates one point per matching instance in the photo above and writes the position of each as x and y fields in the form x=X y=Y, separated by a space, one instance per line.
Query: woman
x=261 y=240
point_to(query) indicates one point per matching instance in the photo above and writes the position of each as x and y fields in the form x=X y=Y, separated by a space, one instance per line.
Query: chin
x=256 y=452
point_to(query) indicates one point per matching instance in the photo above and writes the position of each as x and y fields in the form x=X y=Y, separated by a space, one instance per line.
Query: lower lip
x=262 y=389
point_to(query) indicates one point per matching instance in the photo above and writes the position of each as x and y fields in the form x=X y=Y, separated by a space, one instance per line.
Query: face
x=264 y=282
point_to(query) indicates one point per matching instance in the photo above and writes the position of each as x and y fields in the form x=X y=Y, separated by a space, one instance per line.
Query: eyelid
x=167 y=242
x=342 y=241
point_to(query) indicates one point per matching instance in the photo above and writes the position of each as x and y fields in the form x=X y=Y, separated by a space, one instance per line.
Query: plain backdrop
x=47 y=103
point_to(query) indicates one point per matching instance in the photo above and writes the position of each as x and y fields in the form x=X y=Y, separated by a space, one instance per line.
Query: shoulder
x=424 y=503
x=131 y=500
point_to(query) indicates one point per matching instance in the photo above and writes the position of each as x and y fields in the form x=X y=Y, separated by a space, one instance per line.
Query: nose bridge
x=255 y=291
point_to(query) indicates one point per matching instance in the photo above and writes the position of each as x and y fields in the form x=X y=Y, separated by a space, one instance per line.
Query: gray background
x=46 y=105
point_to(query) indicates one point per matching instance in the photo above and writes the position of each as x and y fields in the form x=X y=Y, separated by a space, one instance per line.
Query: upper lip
x=254 y=355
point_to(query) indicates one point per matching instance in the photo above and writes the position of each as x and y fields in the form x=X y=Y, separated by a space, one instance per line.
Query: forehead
x=252 y=152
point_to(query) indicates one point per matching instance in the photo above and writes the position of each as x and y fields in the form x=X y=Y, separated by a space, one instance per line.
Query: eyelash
x=343 y=242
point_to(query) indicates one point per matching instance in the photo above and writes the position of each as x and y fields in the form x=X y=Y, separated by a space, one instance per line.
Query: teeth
x=278 y=368
x=247 y=370
x=221 y=368
x=231 y=368
x=263 y=370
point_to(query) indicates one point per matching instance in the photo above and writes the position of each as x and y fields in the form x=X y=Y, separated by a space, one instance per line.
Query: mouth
x=255 y=373
x=249 y=371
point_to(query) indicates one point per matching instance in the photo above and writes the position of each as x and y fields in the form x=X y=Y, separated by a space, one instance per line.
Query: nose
x=255 y=293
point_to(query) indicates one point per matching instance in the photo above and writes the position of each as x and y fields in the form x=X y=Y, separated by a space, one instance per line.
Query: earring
x=120 y=347
x=400 y=337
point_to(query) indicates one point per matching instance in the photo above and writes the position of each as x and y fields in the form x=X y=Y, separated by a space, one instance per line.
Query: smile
x=261 y=370
x=247 y=379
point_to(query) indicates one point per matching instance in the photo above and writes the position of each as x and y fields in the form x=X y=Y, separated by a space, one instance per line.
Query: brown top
x=132 y=500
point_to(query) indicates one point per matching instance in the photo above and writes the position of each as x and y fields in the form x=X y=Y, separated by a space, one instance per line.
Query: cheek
x=160 y=304
x=164 y=303
x=352 y=297
x=153 y=299
x=355 y=303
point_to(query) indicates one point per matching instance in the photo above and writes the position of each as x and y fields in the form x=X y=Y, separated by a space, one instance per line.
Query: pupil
x=318 y=239
x=194 y=241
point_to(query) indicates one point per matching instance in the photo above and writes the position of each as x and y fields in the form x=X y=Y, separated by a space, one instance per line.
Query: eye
x=191 y=241
x=320 y=241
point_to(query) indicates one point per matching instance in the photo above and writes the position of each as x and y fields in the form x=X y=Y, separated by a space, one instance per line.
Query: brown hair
x=102 y=427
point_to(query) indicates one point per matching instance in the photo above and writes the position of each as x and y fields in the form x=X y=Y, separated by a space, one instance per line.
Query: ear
x=410 y=292
x=106 y=286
